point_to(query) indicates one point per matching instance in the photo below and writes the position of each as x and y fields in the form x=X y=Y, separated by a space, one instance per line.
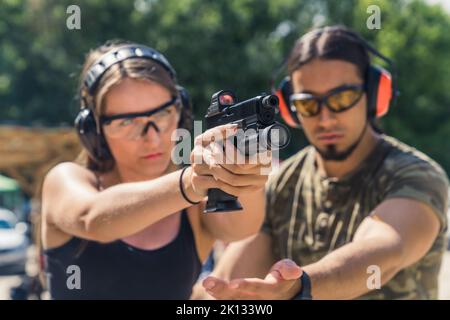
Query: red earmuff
x=384 y=94
x=379 y=90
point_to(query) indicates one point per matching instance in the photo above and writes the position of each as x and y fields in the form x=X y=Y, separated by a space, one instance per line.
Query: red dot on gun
x=226 y=99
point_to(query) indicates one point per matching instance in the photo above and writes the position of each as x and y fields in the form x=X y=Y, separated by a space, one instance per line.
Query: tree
x=222 y=44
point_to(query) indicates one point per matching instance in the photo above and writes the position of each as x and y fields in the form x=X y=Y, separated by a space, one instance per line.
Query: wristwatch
x=305 y=291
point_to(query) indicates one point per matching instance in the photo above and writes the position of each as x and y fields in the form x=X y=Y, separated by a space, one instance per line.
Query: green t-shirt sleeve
x=422 y=181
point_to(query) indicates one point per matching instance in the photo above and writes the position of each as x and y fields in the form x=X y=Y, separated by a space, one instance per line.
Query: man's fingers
x=252 y=286
x=222 y=290
x=272 y=287
x=276 y=285
x=217 y=288
x=286 y=269
x=241 y=295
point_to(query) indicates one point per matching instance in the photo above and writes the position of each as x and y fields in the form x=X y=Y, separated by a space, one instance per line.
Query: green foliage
x=222 y=44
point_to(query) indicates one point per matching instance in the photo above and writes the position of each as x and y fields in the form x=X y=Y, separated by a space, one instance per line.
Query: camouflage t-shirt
x=309 y=215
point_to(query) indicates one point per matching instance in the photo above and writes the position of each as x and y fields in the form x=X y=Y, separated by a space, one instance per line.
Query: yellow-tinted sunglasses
x=336 y=100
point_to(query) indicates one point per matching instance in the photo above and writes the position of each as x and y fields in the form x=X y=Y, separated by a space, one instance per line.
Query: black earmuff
x=90 y=134
x=92 y=140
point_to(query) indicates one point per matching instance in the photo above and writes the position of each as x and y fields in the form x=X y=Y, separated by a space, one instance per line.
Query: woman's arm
x=72 y=203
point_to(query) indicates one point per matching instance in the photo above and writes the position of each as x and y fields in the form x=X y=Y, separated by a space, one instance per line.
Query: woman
x=126 y=223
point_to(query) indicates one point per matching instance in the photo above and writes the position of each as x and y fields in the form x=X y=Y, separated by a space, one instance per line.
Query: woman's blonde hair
x=136 y=68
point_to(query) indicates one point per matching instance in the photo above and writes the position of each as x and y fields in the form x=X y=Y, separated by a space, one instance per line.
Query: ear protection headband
x=88 y=130
x=380 y=84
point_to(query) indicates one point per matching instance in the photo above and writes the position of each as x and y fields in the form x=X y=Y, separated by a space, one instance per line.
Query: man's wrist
x=304 y=292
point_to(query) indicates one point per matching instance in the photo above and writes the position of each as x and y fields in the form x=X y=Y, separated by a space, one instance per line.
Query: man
x=356 y=214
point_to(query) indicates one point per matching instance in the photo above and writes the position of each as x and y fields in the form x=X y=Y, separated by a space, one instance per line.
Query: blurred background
x=213 y=45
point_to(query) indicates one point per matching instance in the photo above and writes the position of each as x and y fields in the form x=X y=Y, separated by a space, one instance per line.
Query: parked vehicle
x=13 y=243
x=448 y=229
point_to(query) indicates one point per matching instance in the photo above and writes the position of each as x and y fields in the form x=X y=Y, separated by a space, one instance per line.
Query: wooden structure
x=26 y=154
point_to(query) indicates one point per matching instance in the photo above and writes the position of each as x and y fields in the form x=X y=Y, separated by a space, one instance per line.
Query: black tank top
x=117 y=270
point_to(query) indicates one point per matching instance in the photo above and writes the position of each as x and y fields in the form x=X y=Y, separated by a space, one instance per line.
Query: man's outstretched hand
x=282 y=282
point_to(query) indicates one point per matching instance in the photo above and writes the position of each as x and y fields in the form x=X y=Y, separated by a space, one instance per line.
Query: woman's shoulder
x=70 y=168
x=67 y=172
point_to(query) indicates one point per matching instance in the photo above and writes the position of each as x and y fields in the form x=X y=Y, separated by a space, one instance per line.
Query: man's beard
x=331 y=153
